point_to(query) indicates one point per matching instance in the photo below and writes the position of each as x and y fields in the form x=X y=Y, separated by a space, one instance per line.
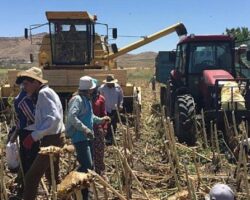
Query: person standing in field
x=48 y=128
x=25 y=116
x=153 y=83
x=79 y=125
x=113 y=95
x=98 y=103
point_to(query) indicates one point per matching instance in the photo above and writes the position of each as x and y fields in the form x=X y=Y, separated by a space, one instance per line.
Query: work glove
x=106 y=119
x=28 y=142
x=89 y=134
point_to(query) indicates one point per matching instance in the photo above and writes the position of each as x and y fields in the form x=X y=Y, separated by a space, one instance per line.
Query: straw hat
x=110 y=79
x=33 y=72
x=86 y=83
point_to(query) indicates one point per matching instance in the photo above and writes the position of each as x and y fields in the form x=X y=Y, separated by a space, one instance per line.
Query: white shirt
x=113 y=96
x=48 y=114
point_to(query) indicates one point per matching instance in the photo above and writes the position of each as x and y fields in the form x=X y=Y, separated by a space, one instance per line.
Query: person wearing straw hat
x=79 y=124
x=113 y=95
x=47 y=129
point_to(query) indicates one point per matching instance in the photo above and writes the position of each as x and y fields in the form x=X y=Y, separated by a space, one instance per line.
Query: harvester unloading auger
x=73 y=49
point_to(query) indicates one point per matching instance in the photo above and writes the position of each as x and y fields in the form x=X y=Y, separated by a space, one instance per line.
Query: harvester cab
x=72 y=41
x=204 y=80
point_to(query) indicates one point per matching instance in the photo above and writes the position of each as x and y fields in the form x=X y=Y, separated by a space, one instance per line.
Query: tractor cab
x=195 y=54
x=72 y=37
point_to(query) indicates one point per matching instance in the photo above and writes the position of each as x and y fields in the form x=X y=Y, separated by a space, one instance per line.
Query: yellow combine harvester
x=73 y=49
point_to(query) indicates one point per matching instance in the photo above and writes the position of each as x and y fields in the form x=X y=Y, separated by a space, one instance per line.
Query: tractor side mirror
x=114 y=33
x=26 y=33
x=248 y=55
x=31 y=58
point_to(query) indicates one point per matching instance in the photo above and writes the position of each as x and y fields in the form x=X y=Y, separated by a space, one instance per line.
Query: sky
x=133 y=17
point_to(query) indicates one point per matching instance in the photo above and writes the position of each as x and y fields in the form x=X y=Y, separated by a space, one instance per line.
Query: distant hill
x=145 y=59
x=14 y=50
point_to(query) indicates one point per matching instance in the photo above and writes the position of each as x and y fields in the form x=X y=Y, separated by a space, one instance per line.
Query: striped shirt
x=25 y=110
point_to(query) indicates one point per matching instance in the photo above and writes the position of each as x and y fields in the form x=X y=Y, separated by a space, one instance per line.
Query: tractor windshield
x=71 y=42
x=210 y=55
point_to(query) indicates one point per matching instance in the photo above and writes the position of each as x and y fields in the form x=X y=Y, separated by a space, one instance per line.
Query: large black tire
x=184 y=115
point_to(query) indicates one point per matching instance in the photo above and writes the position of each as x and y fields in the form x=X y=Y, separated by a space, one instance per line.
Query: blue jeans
x=84 y=157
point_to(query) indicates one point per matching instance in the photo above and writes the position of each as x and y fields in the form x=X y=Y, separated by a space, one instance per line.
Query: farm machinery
x=72 y=48
x=201 y=85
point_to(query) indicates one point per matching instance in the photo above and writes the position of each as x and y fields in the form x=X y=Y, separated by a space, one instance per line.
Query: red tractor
x=203 y=66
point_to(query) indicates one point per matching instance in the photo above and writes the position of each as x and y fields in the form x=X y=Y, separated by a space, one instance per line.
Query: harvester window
x=71 y=43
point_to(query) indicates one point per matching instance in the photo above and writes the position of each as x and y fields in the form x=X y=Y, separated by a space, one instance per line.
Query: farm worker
x=221 y=192
x=153 y=82
x=79 y=125
x=113 y=95
x=48 y=128
x=25 y=113
x=98 y=104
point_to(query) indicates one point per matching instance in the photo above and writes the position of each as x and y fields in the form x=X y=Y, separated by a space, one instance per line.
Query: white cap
x=221 y=192
x=86 y=83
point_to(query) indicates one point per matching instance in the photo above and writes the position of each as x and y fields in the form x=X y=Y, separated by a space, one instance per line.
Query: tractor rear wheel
x=184 y=115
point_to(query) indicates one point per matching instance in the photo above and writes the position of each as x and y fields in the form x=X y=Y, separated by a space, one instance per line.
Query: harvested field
x=150 y=165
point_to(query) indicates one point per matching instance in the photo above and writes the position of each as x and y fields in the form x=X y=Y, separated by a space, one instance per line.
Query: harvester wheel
x=184 y=114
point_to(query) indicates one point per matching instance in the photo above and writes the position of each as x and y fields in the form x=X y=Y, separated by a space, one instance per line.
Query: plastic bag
x=12 y=156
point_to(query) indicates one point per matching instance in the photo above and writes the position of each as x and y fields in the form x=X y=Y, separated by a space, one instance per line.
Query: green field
x=3 y=71
x=140 y=74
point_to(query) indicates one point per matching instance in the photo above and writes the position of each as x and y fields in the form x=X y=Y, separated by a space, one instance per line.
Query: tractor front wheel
x=184 y=116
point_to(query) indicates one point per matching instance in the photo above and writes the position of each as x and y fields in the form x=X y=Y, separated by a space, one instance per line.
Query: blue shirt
x=80 y=117
x=113 y=96
x=49 y=114
x=25 y=110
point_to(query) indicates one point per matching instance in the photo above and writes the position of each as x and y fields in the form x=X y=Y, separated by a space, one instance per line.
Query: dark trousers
x=98 y=150
x=114 y=119
x=84 y=157
x=41 y=166
x=27 y=156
